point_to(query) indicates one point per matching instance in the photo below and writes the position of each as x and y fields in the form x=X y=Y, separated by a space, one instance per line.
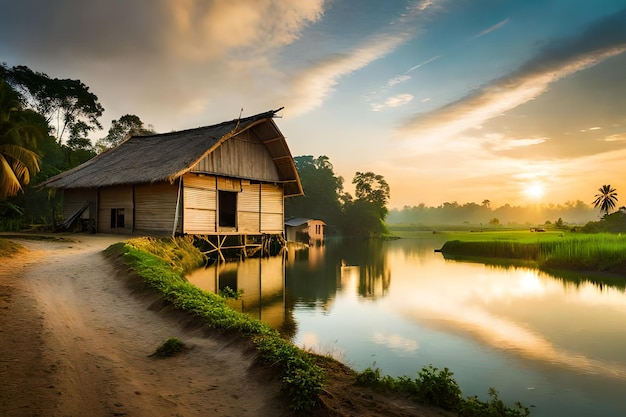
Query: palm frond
x=9 y=183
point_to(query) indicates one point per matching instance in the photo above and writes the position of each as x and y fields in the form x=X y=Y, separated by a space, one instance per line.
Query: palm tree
x=17 y=131
x=605 y=199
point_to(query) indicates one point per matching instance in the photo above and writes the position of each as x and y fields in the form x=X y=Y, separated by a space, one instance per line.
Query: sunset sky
x=516 y=101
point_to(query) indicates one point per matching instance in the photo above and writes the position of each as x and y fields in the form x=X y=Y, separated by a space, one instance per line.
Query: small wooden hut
x=227 y=179
x=304 y=230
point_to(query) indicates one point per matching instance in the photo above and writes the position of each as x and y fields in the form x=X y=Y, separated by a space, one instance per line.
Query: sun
x=534 y=191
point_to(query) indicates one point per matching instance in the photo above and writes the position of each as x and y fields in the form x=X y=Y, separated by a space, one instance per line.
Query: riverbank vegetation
x=162 y=263
x=552 y=250
x=437 y=387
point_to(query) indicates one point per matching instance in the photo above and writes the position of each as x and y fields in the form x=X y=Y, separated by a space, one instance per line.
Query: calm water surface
x=558 y=344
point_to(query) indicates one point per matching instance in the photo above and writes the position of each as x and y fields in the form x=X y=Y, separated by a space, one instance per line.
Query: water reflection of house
x=227 y=179
x=305 y=230
x=261 y=281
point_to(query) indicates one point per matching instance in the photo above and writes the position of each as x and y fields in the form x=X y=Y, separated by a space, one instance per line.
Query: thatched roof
x=166 y=157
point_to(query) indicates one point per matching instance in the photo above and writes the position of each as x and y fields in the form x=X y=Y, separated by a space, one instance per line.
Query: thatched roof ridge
x=158 y=157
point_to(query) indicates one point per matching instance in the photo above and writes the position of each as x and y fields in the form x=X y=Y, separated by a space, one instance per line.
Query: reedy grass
x=574 y=251
x=161 y=263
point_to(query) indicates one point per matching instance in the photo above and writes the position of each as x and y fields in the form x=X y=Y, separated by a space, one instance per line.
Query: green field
x=551 y=250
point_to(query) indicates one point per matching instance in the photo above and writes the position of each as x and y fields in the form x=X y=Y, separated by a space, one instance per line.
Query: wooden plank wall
x=272 y=208
x=242 y=156
x=75 y=198
x=155 y=207
x=248 y=208
x=200 y=201
x=259 y=205
x=111 y=198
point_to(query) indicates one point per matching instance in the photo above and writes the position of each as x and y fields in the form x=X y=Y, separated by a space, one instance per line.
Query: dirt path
x=74 y=342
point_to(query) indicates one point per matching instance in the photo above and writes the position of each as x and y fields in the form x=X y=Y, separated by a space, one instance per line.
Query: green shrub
x=473 y=407
x=170 y=347
x=438 y=388
x=228 y=292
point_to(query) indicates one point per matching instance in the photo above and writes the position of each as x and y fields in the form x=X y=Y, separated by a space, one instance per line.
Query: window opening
x=117 y=218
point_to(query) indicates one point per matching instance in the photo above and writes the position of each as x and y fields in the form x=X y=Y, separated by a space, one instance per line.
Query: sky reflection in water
x=554 y=343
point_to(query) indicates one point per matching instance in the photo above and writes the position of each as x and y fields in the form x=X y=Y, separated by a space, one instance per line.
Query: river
x=556 y=344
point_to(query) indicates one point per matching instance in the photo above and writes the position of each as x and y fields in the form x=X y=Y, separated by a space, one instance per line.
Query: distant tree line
x=452 y=213
x=325 y=199
x=44 y=123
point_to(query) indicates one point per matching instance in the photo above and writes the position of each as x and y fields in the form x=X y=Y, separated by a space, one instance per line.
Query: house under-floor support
x=224 y=246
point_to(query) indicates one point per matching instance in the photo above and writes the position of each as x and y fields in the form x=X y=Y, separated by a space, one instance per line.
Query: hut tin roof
x=168 y=156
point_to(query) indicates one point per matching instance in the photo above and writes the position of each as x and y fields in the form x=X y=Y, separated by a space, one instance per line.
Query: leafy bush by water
x=437 y=387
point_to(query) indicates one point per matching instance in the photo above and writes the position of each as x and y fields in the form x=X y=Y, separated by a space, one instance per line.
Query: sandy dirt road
x=75 y=341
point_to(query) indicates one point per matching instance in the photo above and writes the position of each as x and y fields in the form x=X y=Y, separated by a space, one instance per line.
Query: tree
x=127 y=125
x=365 y=216
x=62 y=102
x=486 y=203
x=373 y=189
x=605 y=199
x=19 y=131
x=559 y=224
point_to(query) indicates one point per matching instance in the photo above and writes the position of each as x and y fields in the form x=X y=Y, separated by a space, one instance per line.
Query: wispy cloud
x=398 y=80
x=138 y=55
x=490 y=29
x=500 y=143
x=428 y=61
x=309 y=88
x=203 y=29
x=377 y=103
x=395 y=101
x=620 y=137
x=602 y=40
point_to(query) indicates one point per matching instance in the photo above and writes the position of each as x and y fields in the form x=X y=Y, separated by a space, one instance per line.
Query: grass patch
x=169 y=348
x=8 y=248
x=437 y=387
x=161 y=263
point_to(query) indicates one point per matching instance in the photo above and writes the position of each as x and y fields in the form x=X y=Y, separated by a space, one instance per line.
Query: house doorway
x=227 y=209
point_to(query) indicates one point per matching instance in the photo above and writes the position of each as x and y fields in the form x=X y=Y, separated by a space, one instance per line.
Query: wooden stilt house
x=228 y=179
x=304 y=230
